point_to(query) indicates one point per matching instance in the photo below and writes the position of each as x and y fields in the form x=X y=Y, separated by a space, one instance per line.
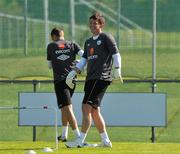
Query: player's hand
x=117 y=74
x=70 y=79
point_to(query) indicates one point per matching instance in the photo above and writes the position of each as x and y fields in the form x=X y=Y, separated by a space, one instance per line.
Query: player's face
x=95 y=27
x=54 y=37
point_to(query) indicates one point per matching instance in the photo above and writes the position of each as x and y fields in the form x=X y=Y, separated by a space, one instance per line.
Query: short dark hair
x=99 y=17
x=56 y=31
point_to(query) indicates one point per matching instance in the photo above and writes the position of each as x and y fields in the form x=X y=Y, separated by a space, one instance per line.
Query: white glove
x=117 y=74
x=70 y=78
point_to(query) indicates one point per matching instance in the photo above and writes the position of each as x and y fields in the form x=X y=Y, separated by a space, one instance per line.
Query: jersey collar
x=95 y=37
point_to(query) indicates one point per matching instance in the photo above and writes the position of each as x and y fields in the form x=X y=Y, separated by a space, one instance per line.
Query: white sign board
x=118 y=109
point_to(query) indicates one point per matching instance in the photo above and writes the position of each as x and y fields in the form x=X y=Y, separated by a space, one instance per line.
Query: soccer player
x=100 y=52
x=61 y=55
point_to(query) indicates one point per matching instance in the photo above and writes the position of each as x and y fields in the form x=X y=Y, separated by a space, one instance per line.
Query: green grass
x=14 y=139
x=24 y=66
x=9 y=119
x=118 y=148
x=134 y=64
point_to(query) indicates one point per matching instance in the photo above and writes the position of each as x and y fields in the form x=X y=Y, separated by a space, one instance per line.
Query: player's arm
x=117 y=66
x=49 y=62
x=81 y=64
x=78 y=49
x=78 y=68
x=112 y=47
x=117 y=60
x=80 y=53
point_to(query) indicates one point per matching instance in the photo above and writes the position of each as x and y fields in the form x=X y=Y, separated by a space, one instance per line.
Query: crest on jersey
x=91 y=51
x=99 y=42
x=63 y=57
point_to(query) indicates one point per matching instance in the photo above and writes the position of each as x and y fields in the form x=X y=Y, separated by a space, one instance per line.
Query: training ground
x=118 y=148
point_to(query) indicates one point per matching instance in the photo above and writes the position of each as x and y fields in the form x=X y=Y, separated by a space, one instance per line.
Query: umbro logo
x=63 y=57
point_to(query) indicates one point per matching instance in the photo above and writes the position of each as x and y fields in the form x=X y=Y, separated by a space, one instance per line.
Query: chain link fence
x=25 y=26
x=133 y=30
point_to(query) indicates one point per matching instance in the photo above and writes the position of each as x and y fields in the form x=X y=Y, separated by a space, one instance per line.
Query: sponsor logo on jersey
x=99 y=42
x=61 y=45
x=62 y=51
x=91 y=51
x=92 y=57
x=63 y=57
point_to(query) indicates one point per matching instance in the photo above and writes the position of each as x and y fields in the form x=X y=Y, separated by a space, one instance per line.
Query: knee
x=96 y=113
x=86 y=114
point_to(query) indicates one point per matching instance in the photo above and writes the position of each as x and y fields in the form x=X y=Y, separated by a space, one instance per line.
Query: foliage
x=139 y=11
x=12 y=6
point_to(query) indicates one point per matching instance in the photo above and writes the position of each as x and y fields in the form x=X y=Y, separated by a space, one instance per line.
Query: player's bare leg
x=67 y=111
x=86 y=123
x=87 y=118
x=98 y=120
x=64 y=134
x=100 y=125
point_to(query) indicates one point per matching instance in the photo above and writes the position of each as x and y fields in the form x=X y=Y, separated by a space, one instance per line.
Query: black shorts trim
x=63 y=94
x=94 y=92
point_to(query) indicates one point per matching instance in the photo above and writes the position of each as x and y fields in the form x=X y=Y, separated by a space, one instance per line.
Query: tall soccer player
x=61 y=55
x=100 y=52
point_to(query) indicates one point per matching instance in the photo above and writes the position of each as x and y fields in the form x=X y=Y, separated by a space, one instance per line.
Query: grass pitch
x=118 y=148
x=16 y=140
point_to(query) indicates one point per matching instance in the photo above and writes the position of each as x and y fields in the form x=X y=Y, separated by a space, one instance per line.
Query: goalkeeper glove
x=117 y=74
x=70 y=78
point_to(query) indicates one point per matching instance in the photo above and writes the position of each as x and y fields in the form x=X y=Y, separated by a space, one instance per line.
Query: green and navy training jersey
x=98 y=53
x=62 y=54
